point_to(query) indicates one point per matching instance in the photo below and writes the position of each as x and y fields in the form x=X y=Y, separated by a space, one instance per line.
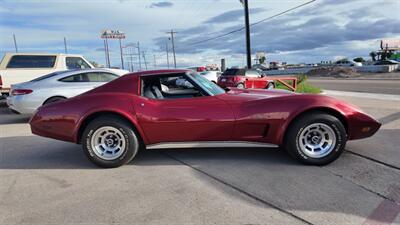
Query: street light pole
x=108 y=54
x=15 y=43
x=247 y=25
x=122 y=58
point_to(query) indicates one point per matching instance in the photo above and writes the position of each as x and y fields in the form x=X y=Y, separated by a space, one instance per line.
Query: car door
x=254 y=79
x=185 y=119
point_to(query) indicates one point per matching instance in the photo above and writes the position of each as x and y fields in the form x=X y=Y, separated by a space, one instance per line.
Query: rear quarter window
x=32 y=61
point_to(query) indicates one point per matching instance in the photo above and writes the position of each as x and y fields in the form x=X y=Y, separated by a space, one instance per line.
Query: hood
x=235 y=95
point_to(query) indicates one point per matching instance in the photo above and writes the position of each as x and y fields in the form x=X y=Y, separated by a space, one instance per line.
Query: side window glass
x=107 y=77
x=75 y=78
x=172 y=87
x=32 y=61
x=93 y=77
x=252 y=73
x=76 y=63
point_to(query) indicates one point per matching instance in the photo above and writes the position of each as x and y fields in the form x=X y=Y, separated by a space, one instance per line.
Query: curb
x=362 y=95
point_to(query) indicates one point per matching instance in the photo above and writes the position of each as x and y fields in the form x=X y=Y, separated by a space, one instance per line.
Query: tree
x=359 y=59
x=95 y=64
x=373 y=56
x=262 y=60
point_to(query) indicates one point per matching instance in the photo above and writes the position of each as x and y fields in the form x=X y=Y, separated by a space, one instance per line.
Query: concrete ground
x=47 y=181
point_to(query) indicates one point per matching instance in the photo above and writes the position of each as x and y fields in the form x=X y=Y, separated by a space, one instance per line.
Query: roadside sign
x=390 y=44
x=112 y=34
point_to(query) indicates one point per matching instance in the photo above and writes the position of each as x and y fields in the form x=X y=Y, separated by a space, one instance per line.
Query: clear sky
x=322 y=30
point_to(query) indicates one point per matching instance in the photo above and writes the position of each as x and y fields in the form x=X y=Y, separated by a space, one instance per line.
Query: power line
x=258 y=22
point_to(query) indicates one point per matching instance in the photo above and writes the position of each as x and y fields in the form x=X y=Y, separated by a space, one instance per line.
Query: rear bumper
x=20 y=105
x=51 y=126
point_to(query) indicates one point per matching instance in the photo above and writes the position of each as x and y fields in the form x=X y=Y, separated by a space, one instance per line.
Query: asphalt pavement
x=48 y=181
x=386 y=86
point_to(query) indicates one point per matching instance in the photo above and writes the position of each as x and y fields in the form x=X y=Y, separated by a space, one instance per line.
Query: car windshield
x=206 y=84
x=48 y=76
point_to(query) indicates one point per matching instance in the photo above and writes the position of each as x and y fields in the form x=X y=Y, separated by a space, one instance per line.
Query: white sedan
x=211 y=75
x=26 y=97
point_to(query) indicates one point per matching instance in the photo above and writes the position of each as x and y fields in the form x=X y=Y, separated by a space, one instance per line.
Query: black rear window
x=32 y=61
x=48 y=76
x=234 y=72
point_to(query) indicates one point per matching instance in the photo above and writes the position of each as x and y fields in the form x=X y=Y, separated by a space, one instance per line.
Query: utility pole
x=120 y=49
x=247 y=25
x=65 y=45
x=140 y=63
x=15 y=43
x=107 y=53
x=166 y=48
x=172 y=32
x=131 y=53
x=144 y=59
x=155 y=62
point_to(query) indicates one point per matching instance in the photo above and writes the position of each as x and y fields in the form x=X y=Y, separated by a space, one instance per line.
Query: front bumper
x=362 y=125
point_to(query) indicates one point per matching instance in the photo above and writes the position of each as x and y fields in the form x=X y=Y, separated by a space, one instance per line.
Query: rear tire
x=270 y=86
x=110 y=142
x=53 y=99
x=316 y=138
x=240 y=86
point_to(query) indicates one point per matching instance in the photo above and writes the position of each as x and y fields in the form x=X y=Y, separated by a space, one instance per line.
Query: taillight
x=21 y=91
x=1 y=82
x=237 y=78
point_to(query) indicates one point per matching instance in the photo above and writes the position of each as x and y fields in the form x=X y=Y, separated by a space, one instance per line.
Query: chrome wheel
x=108 y=143
x=240 y=86
x=317 y=140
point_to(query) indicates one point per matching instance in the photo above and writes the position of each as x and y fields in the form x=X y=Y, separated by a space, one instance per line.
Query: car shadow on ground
x=32 y=152
x=261 y=176
x=8 y=117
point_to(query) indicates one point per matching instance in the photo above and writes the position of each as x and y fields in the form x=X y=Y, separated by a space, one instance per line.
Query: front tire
x=110 y=142
x=316 y=138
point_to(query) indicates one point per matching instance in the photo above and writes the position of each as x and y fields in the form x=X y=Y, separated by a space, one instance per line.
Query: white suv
x=22 y=67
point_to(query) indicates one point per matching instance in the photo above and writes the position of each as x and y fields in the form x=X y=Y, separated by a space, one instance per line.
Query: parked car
x=276 y=66
x=26 y=97
x=211 y=75
x=198 y=68
x=22 y=67
x=347 y=62
x=114 y=121
x=243 y=78
x=387 y=62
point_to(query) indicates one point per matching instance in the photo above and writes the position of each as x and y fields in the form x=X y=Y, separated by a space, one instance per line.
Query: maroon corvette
x=180 y=109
